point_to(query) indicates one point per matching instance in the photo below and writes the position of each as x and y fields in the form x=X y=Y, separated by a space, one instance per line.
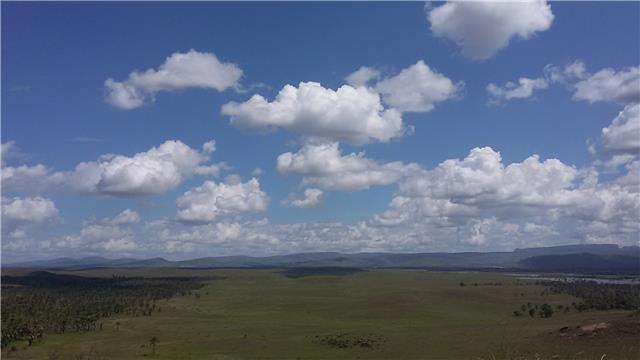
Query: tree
x=546 y=311
x=152 y=342
x=532 y=312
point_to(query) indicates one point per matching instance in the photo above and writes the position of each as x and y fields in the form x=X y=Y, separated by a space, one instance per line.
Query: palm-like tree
x=152 y=342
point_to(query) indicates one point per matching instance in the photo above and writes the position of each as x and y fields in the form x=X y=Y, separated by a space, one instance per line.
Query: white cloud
x=522 y=90
x=114 y=235
x=154 y=171
x=192 y=69
x=9 y=150
x=151 y=172
x=623 y=135
x=21 y=214
x=482 y=28
x=481 y=178
x=24 y=178
x=28 y=210
x=609 y=85
x=606 y=85
x=209 y=147
x=362 y=76
x=126 y=217
x=477 y=202
x=256 y=172
x=31 y=179
x=417 y=88
x=211 y=200
x=311 y=198
x=348 y=114
x=323 y=165
x=465 y=194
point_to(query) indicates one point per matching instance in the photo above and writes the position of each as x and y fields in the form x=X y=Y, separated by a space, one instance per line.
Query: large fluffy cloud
x=32 y=179
x=623 y=135
x=471 y=193
x=151 y=172
x=24 y=178
x=417 y=88
x=481 y=28
x=18 y=214
x=609 y=85
x=28 y=210
x=477 y=202
x=192 y=69
x=322 y=164
x=211 y=200
x=348 y=114
x=482 y=179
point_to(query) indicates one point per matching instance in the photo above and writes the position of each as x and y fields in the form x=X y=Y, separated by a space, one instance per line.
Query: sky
x=208 y=129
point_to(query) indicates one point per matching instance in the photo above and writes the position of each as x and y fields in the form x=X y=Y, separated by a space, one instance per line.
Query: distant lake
x=623 y=281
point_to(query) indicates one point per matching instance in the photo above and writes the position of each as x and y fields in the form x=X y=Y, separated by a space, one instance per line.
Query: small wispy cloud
x=86 y=139
x=19 y=89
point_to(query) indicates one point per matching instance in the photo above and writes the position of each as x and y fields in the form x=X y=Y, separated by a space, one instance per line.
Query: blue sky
x=55 y=112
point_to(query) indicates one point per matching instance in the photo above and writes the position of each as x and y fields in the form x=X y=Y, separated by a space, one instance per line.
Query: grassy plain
x=262 y=314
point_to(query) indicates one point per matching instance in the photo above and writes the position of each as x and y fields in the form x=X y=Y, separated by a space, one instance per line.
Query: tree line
x=44 y=302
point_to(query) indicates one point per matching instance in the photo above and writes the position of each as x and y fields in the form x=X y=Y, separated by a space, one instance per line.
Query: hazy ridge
x=596 y=258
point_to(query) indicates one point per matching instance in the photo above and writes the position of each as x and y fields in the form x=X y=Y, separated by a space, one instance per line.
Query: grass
x=262 y=314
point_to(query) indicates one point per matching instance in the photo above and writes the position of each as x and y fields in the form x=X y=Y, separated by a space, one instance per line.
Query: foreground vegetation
x=43 y=303
x=390 y=314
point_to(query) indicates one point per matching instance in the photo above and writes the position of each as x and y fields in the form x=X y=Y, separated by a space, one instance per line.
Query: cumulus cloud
x=510 y=90
x=477 y=202
x=623 y=135
x=154 y=171
x=26 y=178
x=417 y=88
x=362 y=76
x=9 y=150
x=577 y=70
x=192 y=69
x=109 y=234
x=20 y=214
x=28 y=210
x=621 y=87
x=482 y=28
x=311 y=198
x=126 y=217
x=466 y=194
x=151 y=172
x=352 y=115
x=211 y=200
x=323 y=165
x=482 y=179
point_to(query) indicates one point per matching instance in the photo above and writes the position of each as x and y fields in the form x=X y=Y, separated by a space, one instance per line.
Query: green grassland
x=262 y=314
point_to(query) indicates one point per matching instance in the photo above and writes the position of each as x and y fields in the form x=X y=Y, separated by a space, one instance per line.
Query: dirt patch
x=617 y=329
x=349 y=340
x=588 y=329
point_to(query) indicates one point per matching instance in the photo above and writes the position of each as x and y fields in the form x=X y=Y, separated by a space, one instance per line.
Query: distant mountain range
x=597 y=258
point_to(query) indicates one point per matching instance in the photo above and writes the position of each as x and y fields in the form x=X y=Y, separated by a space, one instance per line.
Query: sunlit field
x=378 y=314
